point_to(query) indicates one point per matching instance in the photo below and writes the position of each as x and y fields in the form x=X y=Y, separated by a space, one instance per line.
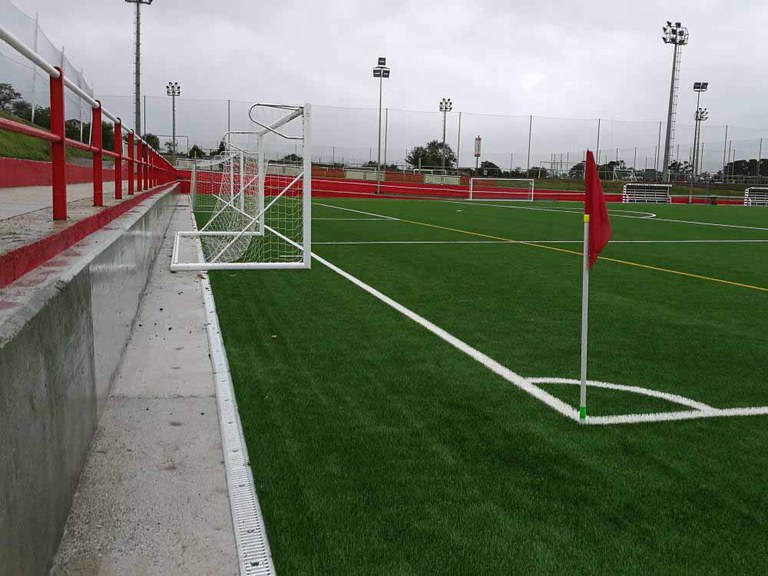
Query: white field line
x=355 y=219
x=674 y=416
x=366 y=242
x=377 y=216
x=674 y=398
x=510 y=376
x=613 y=213
x=487 y=203
x=529 y=384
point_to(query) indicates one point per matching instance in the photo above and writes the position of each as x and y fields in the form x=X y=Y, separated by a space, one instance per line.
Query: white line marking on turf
x=356 y=219
x=378 y=216
x=674 y=416
x=488 y=362
x=367 y=242
x=674 y=398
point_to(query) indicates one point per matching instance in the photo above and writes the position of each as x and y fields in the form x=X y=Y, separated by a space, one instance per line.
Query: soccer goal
x=755 y=196
x=515 y=189
x=638 y=192
x=252 y=203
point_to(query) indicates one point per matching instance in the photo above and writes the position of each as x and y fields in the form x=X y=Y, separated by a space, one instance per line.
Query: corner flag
x=597 y=233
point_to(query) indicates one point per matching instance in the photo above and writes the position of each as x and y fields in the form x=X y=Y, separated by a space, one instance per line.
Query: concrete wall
x=63 y=329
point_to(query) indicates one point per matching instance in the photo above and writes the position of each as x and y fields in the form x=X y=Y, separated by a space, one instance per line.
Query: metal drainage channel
x=254 y=555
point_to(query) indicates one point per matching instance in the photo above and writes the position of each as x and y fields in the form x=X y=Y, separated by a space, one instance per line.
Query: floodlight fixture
x=700 y=86
x=173 y=90
x=677 y=35
x=380 y=71
x=446 y=105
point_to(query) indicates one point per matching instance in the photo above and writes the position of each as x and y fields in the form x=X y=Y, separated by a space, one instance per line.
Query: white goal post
x=639 y=192
x=756 y=196
x=510 y=189
x=252 y=203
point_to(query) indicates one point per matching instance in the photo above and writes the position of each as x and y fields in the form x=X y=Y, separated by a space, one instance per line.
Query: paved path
x=152 y=498
x=16 y=201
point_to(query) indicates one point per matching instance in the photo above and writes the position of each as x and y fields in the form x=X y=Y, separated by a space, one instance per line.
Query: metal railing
x=146 y=168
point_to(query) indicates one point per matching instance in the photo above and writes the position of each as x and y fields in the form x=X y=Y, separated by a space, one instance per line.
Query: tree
x=196 y=151
x=292 y=159
x=168 y=146
x=431 y=156
x=488 y=168
x=220 y=150
x=7 y=97
x=22 y=109
x=152 y=140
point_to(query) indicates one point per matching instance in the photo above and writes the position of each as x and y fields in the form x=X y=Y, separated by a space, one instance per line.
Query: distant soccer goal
x=637 y=192
x=252 y=204
x=756 y=196
x=519 y=189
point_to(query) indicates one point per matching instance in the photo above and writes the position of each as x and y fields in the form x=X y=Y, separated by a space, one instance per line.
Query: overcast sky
x=601 y=58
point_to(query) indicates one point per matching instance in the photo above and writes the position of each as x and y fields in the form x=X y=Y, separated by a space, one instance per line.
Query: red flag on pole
x=594 y=207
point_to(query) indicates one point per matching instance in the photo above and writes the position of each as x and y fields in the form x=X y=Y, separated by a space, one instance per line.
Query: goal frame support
x=261 y=207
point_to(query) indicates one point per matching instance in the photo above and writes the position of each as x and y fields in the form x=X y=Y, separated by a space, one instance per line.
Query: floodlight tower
x=445 y=106
x=173 y=90
x=380 y=71
x=699 y=116
x=137 y=87
x=677 y=35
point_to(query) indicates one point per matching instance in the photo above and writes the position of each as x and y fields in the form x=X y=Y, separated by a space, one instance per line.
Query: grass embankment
x=13 y=145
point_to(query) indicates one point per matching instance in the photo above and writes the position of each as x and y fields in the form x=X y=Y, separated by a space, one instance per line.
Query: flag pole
x=584 y=323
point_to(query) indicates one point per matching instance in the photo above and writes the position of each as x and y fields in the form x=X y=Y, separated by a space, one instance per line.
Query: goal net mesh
x=521 y=189
x=251 y=202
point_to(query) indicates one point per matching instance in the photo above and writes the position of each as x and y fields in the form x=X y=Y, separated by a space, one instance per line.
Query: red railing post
x=118 y=149
x=147 y=149
x=139 y=157
x=58 y=148
x=97 y=157
x=130 y=163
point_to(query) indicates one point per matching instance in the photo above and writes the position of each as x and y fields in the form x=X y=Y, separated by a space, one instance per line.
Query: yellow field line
x=579 y=253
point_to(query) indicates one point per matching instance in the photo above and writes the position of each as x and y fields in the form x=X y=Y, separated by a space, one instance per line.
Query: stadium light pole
x=445 y=106
x=699 y=116
x=380 y=71
x=173 y=90
x=677 y=35
x=137 y=73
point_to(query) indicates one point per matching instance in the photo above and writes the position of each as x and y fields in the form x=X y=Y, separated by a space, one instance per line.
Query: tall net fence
x=534 y=146
x=32 y=84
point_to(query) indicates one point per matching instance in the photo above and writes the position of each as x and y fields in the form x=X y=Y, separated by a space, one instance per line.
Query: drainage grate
x=255 y=558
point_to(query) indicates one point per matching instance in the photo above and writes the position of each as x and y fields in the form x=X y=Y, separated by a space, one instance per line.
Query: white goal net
x=252 y=202
x=520 y=189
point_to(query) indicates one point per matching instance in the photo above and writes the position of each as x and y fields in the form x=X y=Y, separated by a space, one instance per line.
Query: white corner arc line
x=510 y=376
x=674 y=398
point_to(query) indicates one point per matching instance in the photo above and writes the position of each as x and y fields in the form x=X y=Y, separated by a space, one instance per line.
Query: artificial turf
x=377 y=448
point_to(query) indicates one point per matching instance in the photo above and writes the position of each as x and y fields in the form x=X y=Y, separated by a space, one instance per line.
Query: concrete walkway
x=152 y=498
x=17 y=201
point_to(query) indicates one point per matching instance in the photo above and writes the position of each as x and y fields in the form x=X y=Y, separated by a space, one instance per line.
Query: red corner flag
x=594 y=208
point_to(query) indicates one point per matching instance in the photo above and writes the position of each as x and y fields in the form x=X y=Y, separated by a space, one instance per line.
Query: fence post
x=118 y=149
x=131 y=165
x=58 y=148
x=97 y=156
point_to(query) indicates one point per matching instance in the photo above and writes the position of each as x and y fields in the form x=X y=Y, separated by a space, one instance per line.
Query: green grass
x=13 y=145
x=609 y=186
x=377 y=448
